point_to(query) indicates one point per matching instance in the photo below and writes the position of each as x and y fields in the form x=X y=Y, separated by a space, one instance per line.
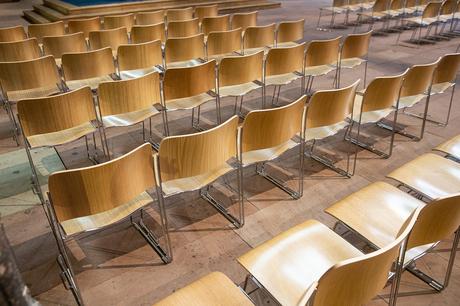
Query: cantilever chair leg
x=15 y=128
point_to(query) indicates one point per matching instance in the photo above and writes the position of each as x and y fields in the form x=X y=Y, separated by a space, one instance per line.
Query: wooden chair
x=258 y=38
x=380 y=11
x=146 y=33
x=184 y=51
x=84 y=25
x=267 y=134
x=96 y=197
x=135 y=60
x=183 y=28
x=112 y=38
x=12 y=34
x=410 y=7
x=179 y=14
x=40 y=30
x=202 y=12
x=188 y=88
x=446 y=15
x=194 y=161
x=451 y=148
x=222 y=44
x=58 y=45
x=54 y=121
x=88 y=68
x=244 y=20
x=327 y=114
x=239 y=75
x=289 y=33
x=210 y=290
x=20 y=50
x=119 y=21
x=321 y=57
x=338 y=7
x=215 y=24
x=150 y=18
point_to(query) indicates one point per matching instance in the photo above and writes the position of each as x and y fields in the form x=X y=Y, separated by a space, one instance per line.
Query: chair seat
x=249 y=51
x=238 y=90
x=219 y=57
x=188 y=102
x=431 y=175
x=61 y=137
x=183 y=64
x=335 y=9
x=409 y=10
x=421 y=21
x=410 y=101
x=417 y=252
x=319 y=70
x=351 y=62
x=17 y=95
x=137 y=73
x=395 y=13
x=281 y=79
x=377 y=212
x=370 y=116
x=355 y=7
x=441 y=87
x=324 y=131
x=286 y=44
x=375 y=15
x=93 y=83
x=215 y=289
x=96 y=221
x=451 y=147
x=288 y=264
x=255 y=156
x=131 y=118
x=446 y=18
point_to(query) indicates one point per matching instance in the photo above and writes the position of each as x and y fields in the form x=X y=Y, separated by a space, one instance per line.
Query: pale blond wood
x=382 y=93
x=84 y=25
x=12 y=34
x=356 y=45
x=40 y=30
x=140 y=56
x=101 y=188
x=149 y=18
x=215 y=24
x=448 y=7
x=259 y=36
x=112 y=38
x=238 y=70
x=447 y=68
x=214 y=289
x=58 y=45
x=418 y=79
x=179 y=14
x=86 y=65
x=322 y=52
x=432 y=10
x=119 y=21
x=284 y=60
x=397 y=5
x=184 y=48
x=451 y=147
x=21 y=50
x=221 y=43
x=183 y=28
x=200 y=153
x=206 y=11
x=244 y=20
x=145 y=33
x=289 y=31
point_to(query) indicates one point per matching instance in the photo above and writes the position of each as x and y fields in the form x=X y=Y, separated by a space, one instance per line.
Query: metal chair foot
x=329 y=164
x=152 y=240
x=367 y=147
x=205 y=195
x=425 y=278
x=275 y=181
x=402 y=133
x=68 y=280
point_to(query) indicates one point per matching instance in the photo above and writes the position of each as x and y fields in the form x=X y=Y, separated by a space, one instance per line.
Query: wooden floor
x=116 y=267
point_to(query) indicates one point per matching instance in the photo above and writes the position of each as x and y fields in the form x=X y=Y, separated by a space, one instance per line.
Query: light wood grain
x=220 y=43
x=119 y=21
x=140 y=56
x=40 y=30
x=451 y=147
x=244 y=20
x=85 y=65
x=184 y=48
x=183 y=28
x=149 y=18
x=382 y=93
x=356 y=45
x=259 y=36
x=418 y=79
x=206 y=11
x=215 y=24
x=322 y=52
x=284 y=60
x=290 y=31
x=447 y=68
x=84 y=25
x=21 y=50
x=12 y=34
x=238 y=70
x=179 y=14
x=145 y=33
x=58 y=45
x=112 y=38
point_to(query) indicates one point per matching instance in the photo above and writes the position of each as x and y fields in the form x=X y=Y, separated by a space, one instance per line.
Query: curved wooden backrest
x=85 y=65
x=290 y=31
x=244 y=20
x=125 y=96
x=145 y=33
x=382 y=92
x=183 y=28
x=448 y=7
x=339 y=3
x=432 y=9
x=112 y=38
x=84 y=25
x=327 y=107
x=56 y=113
x=199 y=153
x=224 y=42
x=356 y=45
x=119 y=21
x=206 y=11
x=58 y=45
x=184 y=48
x=36 y=73
x=96 y=189
x=447 y=69
x=179 y=14
x=236 y=70
x=189 y=81
x=21 y=50
x=322 y=52
x=284 y=60
x=418 y=79
x=267 y=128
x=259 y=36
x=215 y=24
x=139 y=56
x=381 y=5
x=397 y=4
x=149 y=18
x=411 y=3
x=12 y=34
x=39 y=30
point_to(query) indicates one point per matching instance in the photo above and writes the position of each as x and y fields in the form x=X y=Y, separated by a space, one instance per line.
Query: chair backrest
x=194 y=154
x=397 y=4
x=224 y=42
x=328 y=107
x=267 y=128
x=119 y=97
x=179 y=14
x=56 y=113
x=339 y=3
x=84 y=25
x=140 y=56
x=184 y=48
x=58 y=45
x=288 y=31
x=235 y=70
x=36 y=73
x=21 y=50
x=183 y=28
x=119 y=21
x=86 y=65
x=411 y=3
x=12 y=34
x=148 y=18
x=259 y=36
x=381 y=5
x=39 y=30
x=112 y=38
x=284 y=60
x=322 y=52
x=432 y=10
x=215 y=24
x=244 y=20
x=145 y=33
x=356 y=45
x=96 y=189
x=448 y=7
x=447 y=69
x=206 y=11
x=418 y=79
